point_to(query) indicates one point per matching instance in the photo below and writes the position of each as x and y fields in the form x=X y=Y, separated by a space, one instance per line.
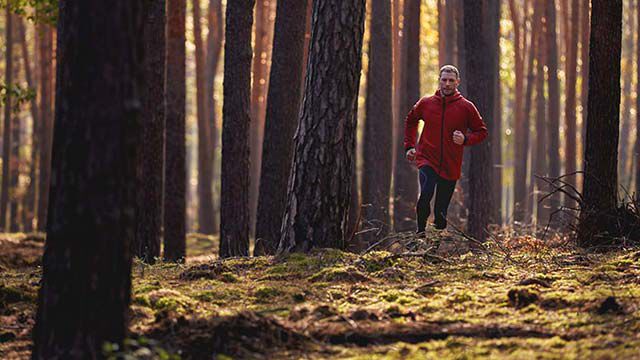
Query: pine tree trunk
x=624 y=173
x=600 y=158
x=570 y=105
x=492 y=24
x=6 y=134
x=526 y=145
x=541 y=163
x=321 y=177
x=146 y=244
x=481 y=90
x=46 y=121
x=283 y=105
x=85 y=292
x=175 y=166
x=637 y=144
x=585 y=30
x=405 y=175
x=234 y=201
x=14 y=158
x=376 y=176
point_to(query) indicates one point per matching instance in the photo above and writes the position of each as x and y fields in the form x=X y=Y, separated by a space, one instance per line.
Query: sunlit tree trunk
x=570 y=103
x=6 y=134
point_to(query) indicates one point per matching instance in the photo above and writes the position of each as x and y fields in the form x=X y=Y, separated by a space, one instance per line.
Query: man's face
x=448 y=83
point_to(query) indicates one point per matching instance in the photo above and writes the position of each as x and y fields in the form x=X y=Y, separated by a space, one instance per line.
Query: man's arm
x=477 y=128
x=411 y=126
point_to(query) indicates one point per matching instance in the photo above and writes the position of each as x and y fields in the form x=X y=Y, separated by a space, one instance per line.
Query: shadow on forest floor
x=514 y=297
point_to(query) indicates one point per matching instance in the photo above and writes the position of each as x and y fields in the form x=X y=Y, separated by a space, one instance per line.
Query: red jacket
x=441 y=118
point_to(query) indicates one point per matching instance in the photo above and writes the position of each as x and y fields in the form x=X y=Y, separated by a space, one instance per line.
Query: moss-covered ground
x=517 y=298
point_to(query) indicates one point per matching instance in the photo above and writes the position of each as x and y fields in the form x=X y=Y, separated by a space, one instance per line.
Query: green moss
x=376 y=261
x=264 y=293
x=341 y=273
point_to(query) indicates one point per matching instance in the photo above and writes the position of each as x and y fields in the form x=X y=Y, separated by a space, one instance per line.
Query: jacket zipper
x=444 y=104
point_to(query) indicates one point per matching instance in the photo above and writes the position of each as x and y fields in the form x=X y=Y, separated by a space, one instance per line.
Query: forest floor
x=514 y=298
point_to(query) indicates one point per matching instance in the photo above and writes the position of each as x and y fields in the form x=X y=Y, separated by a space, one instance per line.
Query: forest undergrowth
x=438 y=297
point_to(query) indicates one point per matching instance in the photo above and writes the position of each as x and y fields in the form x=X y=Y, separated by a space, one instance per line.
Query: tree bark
x=14 y=172
x=146 y=244
x=637 y=143
x=570 y=104
x=492 y=24
x=46 y=122
x=481 y=90
x=86 y=281
x=321 y=176
x=405 y=175
x=175 y=166
x=585 y=30
x=234 y=201
x=283 y=105
x=624 y=172
x=540 y=161
x=6 y=134
x=600 y=180
x=376 y=176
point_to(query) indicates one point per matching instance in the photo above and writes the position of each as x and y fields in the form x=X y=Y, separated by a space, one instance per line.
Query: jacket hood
x=451 y=98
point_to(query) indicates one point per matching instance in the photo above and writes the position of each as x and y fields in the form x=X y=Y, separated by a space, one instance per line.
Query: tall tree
x=86 y=280
x=532 y=75
x=283 y=105
x=600 y=192
x=321 y=175
x=376 y=176
x=540 y=167
x=175 y=167
x=447 y=31
x=205 y=160
x=234 y=201
x=481 y=90
x=6 y=134
x=214 y=50
x=405 y=181
x=637 y=143
x=30 y=196
x=151 y=144
x=585 y=30
x=570 y=103
x=554 y=98
x=624 y=173
x=46 y=119
x=14 y=172
x=492 y=24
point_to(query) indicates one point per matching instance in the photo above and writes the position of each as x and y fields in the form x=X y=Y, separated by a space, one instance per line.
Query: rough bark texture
x=376 y=175
x=624 y=171
x=146 y=244
x=540 y=162
x=321 y=177
x=86 y=280
x=234 y=201
x=283 y=105
x=481 y=90
x=6 y=132
x=205 y=161
x=30 y=205
x=492 y=26
x=600 y=157
x=175 y=167
x=585 y=30
x=554 y=102
x=570 y=104
x=405 y=182
x=637 y=143
x=526 y=146
x=46 y=120
x=14 y=172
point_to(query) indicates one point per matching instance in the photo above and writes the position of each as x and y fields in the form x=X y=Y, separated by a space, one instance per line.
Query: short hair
x=449 y=69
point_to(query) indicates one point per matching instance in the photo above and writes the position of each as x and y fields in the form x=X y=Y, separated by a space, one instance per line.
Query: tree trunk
x=234 y=201
x=175 y=167
x=481 y=90
x=624 y=173
x=585 y=30
x=205 y=164
x=30 y=197
x=570 y=104
x=540 y=167
x=86 y=281
x=600 y=157
x=151 y=144
x=321 y=176
x=376 y=176
x=405 y=181
x=283 y=105
x=214 y=50
x=492 y=24
x=637 y=144
x=6 y=134
x=14 y=172
x=46 y=121
x=554 y=103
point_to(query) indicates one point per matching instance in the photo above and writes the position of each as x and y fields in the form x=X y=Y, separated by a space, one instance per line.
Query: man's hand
x=411 y=154
x=458 y=137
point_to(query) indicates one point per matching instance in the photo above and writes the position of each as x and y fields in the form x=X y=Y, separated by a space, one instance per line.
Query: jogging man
x=450 y=123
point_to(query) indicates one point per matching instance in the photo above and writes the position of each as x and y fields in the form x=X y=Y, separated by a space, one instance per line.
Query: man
x=450 y=123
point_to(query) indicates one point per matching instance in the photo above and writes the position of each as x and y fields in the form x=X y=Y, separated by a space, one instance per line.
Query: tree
x=540 y=159
x=151 y=144
x=600 y=192
x=86 y=280
x=532 y=75
x=405 y=181
x=624 y=173
x=376 y=176
x=6 y=134
x=234 y=202
x=637 y=144
x=480 y=89
x=175 y=167
x=570 y=104
x=584 y=64
x=321 y=175
x=205 y=151
x=492 y=24
x=283 y=104
x=46 y=119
